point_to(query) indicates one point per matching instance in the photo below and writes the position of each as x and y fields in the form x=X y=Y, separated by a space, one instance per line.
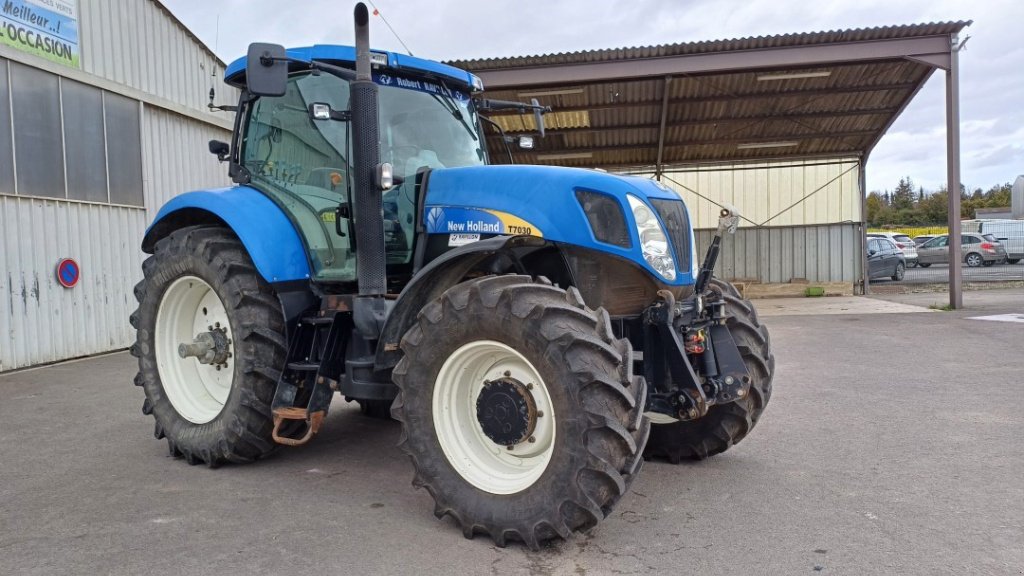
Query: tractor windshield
x=426 y=124
x=303 y=163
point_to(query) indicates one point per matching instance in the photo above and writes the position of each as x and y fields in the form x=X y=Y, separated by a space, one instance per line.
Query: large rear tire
x=200 y=278
x=513 y=337
x=725 y=424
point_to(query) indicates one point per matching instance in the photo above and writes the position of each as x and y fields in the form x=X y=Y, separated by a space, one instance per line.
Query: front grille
x=673 y=214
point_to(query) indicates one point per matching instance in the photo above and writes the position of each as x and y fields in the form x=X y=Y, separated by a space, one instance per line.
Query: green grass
x=942 y=307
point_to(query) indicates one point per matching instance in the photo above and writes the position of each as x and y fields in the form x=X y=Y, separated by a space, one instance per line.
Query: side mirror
x=872 y=252
x=266 y=70
x=538 y=116
x=221 y=149
x=526 y=142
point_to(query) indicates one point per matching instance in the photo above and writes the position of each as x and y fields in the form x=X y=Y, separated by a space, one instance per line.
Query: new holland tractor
x=537 y=331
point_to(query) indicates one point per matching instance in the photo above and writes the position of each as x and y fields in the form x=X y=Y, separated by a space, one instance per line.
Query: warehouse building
x=104 y=104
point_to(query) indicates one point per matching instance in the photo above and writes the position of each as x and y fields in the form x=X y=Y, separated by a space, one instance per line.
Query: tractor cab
x=297 y=147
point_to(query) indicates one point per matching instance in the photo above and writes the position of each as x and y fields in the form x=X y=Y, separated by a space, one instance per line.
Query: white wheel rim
x=197 y=391
x=488 y=466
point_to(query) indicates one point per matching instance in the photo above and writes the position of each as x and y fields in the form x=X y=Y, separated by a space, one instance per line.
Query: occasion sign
x=46 y=28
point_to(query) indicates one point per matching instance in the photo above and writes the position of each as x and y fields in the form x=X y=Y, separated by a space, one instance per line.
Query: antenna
x=377 y=12
x=213 y=69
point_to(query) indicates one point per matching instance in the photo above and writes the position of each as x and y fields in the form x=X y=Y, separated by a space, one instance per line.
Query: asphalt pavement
x=892 y=445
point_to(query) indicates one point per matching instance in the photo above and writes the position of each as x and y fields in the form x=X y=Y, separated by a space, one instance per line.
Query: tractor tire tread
x=609 y=401
x=241 y=432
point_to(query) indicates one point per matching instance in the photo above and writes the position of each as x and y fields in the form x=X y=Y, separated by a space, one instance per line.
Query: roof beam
x=921 y=48
x=722 y=120
x=837 y=91
x=715 y=142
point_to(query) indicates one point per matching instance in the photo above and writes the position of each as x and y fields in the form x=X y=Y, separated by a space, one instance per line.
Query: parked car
x=903 y=242
x=918 y=240
x=1009 y=233
x=977 y=249
x=885 y=259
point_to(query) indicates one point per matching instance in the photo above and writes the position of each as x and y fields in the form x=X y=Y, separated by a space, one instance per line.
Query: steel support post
x=956 y=297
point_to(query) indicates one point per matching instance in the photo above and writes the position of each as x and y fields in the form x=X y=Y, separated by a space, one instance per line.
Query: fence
x=993 y=251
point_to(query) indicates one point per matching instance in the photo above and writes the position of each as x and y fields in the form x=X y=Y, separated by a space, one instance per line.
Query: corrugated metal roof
x=708 y=46
x=839 y=107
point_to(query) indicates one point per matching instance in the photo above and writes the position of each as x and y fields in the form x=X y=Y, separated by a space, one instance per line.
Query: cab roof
x=234 y=74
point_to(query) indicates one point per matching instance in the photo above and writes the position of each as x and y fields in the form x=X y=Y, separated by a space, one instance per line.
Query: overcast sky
x=991 y=80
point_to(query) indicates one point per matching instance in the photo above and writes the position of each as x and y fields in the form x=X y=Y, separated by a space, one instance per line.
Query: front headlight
x=653 y=242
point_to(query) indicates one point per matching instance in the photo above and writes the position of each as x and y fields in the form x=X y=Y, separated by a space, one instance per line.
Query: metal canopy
x=787 y=97
x=775 y=97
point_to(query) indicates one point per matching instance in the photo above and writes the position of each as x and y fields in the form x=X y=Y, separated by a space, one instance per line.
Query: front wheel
x=519 y=409
x=210 y=339
x=725 y=424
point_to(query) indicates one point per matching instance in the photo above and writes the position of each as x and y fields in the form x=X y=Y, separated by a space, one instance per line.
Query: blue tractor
x=537 y=331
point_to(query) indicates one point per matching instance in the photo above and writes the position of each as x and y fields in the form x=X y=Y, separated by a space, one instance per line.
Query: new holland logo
x=458 y=220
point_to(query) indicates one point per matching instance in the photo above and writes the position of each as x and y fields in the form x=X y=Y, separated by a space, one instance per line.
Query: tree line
x=907 y=206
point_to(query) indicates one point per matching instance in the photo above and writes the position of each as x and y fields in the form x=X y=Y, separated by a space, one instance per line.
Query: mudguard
x=439 y=275
x=268 y=235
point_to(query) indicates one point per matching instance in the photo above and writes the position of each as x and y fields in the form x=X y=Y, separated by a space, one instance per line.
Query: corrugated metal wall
x=801 y=220
x=42 y=321
x=779 y=193
x=153 y=59
x=138 y=44
x=175 y=157
x=819 y=253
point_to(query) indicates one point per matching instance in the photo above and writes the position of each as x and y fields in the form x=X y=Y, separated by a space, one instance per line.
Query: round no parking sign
x=68 y=272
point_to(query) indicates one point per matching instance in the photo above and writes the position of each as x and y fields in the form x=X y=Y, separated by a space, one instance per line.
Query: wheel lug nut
x=510 y=447
x=210 y=328
x=531 y=439
x=508 y=373
x=529 y=386
x=216 y=324
x=540 y=413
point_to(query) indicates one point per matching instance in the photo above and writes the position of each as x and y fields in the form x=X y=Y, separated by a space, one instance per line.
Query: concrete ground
x=893 y=444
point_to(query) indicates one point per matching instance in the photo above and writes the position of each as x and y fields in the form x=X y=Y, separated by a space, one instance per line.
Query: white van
x=1009 y=233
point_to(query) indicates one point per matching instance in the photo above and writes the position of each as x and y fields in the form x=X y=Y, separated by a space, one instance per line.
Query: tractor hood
x=550 y=202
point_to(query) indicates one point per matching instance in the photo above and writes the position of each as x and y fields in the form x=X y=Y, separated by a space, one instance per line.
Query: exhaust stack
x=370 y=309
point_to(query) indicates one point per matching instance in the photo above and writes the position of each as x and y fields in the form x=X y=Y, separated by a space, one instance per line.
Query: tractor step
x=310 y=377
x=294 y=413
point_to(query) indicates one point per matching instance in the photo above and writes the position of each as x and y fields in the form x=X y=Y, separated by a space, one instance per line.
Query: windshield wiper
x=453 y=108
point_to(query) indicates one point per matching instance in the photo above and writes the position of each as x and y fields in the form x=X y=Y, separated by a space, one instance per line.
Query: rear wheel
x=725 y=424
x=973 y=260
x=1013 y=260
x=519 y=409
x=210 y=336
x=988 y=263
x=924 y=264
x=900 y=272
